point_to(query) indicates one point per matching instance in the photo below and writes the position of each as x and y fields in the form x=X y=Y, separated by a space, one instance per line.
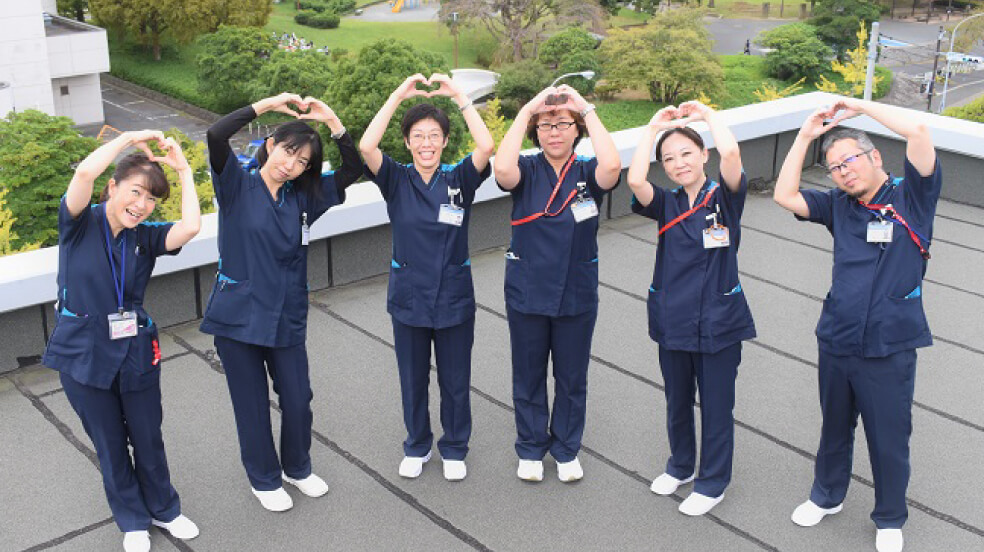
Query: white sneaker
x=697 y=504
x=455 y=470
x=569 y=471
x=666 y=484
x=311 y=485
x=276 y=500
x=180 y=527
x=136 y=541
x=889 y=540
x=809 y=514
x=411 y=466
x=530 y=470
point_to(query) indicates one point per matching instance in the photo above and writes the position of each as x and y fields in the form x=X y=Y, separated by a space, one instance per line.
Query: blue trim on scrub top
x=224 y=278
x=915 y=293
x=394 y=264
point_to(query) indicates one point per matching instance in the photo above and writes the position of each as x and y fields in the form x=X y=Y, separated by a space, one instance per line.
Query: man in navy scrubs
x=872 y=319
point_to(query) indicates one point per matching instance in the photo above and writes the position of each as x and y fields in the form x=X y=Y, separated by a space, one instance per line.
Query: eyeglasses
x=418 y=139
x=843 y=165
x=561 y=126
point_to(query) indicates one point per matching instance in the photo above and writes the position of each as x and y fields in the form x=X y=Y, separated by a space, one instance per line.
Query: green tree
x=363 y=82
x=180 y=20
x=194 y=152
x=7 y=234
x=305 y=72
x=565 y=43
x=520 y=25
x=973 y=111
x=670 y=57
x=37 y=156
x=796 y=51
x=836 y=21
x=73 y=8
x=519 y=82
x=230 y=57
x=576 y=63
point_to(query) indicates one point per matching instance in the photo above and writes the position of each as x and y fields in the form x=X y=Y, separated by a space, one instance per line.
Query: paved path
x=53 y=499
x=383 y=12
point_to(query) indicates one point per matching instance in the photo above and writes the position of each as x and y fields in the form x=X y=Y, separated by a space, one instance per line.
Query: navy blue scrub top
x=874 y=307
x=430 y=283
x=552 y=264
x=80 y=345
x=260 y=293
x=696 y=302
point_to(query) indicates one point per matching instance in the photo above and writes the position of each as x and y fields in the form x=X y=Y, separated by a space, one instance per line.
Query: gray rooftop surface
x=53 y=499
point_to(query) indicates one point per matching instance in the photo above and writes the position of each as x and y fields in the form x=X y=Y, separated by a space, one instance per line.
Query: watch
x=584 y=112
x=338 y=135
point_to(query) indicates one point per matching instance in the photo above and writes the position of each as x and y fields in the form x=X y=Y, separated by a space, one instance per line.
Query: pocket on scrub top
x=230 y=303
x=72 y=337
x=517 y=279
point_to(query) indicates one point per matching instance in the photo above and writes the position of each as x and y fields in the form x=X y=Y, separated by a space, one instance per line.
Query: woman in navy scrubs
x=697 y=311
x=431 y=298
x=104 y=343
x=258 y=308
x=552 y=270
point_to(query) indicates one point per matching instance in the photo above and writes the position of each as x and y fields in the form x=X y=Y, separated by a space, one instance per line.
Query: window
x=64 y=91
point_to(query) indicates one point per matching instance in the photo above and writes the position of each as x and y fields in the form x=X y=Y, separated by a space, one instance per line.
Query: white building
x=51 y=63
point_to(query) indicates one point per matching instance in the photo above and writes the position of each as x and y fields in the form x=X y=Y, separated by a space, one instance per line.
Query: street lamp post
x=586 y=74
x=946 y=81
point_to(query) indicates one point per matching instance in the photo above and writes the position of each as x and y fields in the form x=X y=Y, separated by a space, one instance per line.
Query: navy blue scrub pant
x=880 y=390
x=246 y=367
x=137 y=489
x=536 y=339
x=713 y=375
x=452 y=347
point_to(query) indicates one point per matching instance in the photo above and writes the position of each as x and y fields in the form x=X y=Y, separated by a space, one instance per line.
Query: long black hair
x=138 y=164
x=294 y=135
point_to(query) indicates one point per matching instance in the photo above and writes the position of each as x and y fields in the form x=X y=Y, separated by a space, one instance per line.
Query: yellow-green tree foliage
x=973 y=111
x=495 y=122
x=194 y=152
x=671 y=57
x=855 y=69
x=769 y=92
x=7 y=234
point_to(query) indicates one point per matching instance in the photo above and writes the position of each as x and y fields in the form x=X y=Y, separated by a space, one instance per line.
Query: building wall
x=24 y=56
x=79 y=98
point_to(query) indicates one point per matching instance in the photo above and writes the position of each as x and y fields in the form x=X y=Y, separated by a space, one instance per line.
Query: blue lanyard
x=120 y=281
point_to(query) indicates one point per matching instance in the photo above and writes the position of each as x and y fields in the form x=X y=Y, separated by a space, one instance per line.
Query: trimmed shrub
x=518 y=83
x=324 y=20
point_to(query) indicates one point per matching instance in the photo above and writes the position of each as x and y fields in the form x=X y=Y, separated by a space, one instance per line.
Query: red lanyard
x=546 y=210
x=692 y=210
x=887 y=210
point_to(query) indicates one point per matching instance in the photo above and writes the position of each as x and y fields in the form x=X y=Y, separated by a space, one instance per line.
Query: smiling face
x=426 y=141
x=683 y=160
x=856 y=171
x=285 y=162
x=556 y=143
x=130 y=202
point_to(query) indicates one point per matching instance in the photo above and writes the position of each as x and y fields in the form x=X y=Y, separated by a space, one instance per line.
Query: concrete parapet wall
x=353 y=241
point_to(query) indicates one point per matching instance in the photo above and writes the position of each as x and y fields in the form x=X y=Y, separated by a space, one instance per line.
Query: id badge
x=584 y=209
x=716 y=236
x=305 y=230
x=451 y=214
x=123 y=324
x=879 y=231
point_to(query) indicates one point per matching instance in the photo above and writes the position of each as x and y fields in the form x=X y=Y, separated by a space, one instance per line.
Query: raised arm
x=919 y=148
x=506 y=164
x=191 y=214
x=609 y=163
x=351 y=168
x=218 y=135
x=484 y=144
x=787 y=191
x=638 y=174
x=724 y=141
x=79 y=192
x=369 y=144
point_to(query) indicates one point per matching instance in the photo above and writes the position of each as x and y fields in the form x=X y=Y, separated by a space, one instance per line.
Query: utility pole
x=872 y=58
x=454 y=32
x=932 y=76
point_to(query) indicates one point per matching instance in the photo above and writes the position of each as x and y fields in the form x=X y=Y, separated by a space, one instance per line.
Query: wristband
x=466 y=106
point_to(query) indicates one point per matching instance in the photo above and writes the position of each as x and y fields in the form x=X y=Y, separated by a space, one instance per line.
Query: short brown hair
x=582 y=128
x=138 y=164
